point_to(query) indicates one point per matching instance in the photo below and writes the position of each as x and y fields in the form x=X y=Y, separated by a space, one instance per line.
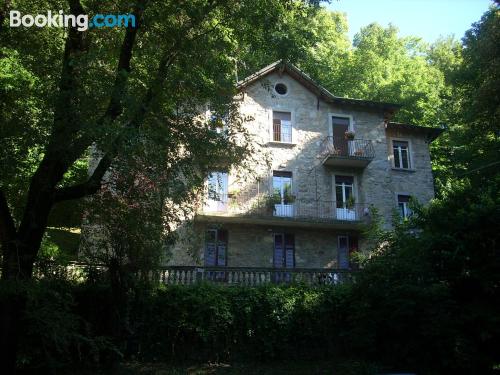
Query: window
x=283 y=256
x=282 y=127
x=216 y=253
x=217 y=186
x=404 y=205
x=401 y=153
x=280 y=89
x=344 y=190
x=284 y=250
x=344 y=197
x=282 y=193
x=216 y=247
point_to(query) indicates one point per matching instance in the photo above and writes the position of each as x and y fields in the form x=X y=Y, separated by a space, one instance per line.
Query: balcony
x=355 y=153
x=263 y=209
x=251 y=276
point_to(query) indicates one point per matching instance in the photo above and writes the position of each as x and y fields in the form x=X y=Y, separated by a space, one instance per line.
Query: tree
x=432 y=283
x=68 y=90
x=475 y=136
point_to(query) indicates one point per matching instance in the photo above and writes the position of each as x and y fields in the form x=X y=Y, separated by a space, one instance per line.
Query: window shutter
x=353 y=248
x=289 y=251
x=278 y=251
x=222 y=247
x=210 y=254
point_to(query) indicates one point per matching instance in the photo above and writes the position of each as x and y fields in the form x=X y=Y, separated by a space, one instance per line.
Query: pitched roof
x=431 y=133
x=283 y=66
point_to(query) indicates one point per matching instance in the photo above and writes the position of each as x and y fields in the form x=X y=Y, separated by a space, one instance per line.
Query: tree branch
x=93 y=184
x=89 y=187
x=115 y=107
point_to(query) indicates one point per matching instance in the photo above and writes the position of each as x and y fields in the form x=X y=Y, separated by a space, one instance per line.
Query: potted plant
x=351 y=201
x=271 y=201
x=349 y=135
x=289 y=198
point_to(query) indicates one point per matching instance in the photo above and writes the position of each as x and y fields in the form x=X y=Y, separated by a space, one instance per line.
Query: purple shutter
x=278 y=250
x=222 y=247
x=210 y=251
x=289 y=251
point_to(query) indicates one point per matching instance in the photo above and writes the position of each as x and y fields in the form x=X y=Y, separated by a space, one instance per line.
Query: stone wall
x=252 y=246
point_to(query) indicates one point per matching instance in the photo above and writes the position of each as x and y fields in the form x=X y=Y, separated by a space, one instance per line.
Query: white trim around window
x=343 y=115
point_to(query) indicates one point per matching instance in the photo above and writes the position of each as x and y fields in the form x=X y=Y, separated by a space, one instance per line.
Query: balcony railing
x=252 y=276
x=187 y=275
x=341 y=152
x=265 y=206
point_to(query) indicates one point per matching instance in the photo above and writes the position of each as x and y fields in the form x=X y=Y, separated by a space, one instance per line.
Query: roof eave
x=432 y=133
x=309 y=83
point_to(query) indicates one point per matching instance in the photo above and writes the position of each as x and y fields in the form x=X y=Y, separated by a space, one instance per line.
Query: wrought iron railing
x=252 y=276
x=267 y=206
x=340 y=147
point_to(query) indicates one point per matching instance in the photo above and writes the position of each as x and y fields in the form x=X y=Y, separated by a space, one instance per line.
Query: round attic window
x=281 y=88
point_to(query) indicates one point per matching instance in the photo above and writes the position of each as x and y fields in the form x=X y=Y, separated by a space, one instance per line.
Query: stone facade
x=250 y=241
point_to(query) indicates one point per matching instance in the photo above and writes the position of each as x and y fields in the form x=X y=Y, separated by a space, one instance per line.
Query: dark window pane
x=340 y=120
x=348 y=180
x=402 y=144
x=281 y=88
x=404 y=157
x=403 y=198
x=282 y=174
x=286 y=116
x=397 y=162
x=338 y=194
x=210 y=251
x=221 y=254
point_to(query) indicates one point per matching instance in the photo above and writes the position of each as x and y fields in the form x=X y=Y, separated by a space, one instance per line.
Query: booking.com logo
x=81 y=21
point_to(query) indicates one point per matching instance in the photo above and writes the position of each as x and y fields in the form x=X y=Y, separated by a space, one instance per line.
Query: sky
x=427 y=19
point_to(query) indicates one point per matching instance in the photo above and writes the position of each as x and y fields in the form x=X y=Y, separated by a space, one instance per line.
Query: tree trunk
x=13 y=303
x=17 y=272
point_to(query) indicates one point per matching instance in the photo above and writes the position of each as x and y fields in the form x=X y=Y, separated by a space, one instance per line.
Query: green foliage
x=54 y=334
x=434 y=278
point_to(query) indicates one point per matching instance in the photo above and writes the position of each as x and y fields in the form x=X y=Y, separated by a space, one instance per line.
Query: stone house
x=331 y=159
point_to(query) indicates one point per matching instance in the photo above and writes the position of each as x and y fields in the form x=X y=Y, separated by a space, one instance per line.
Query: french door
x=282 y=190
x=340 y=125
x=344 y=198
